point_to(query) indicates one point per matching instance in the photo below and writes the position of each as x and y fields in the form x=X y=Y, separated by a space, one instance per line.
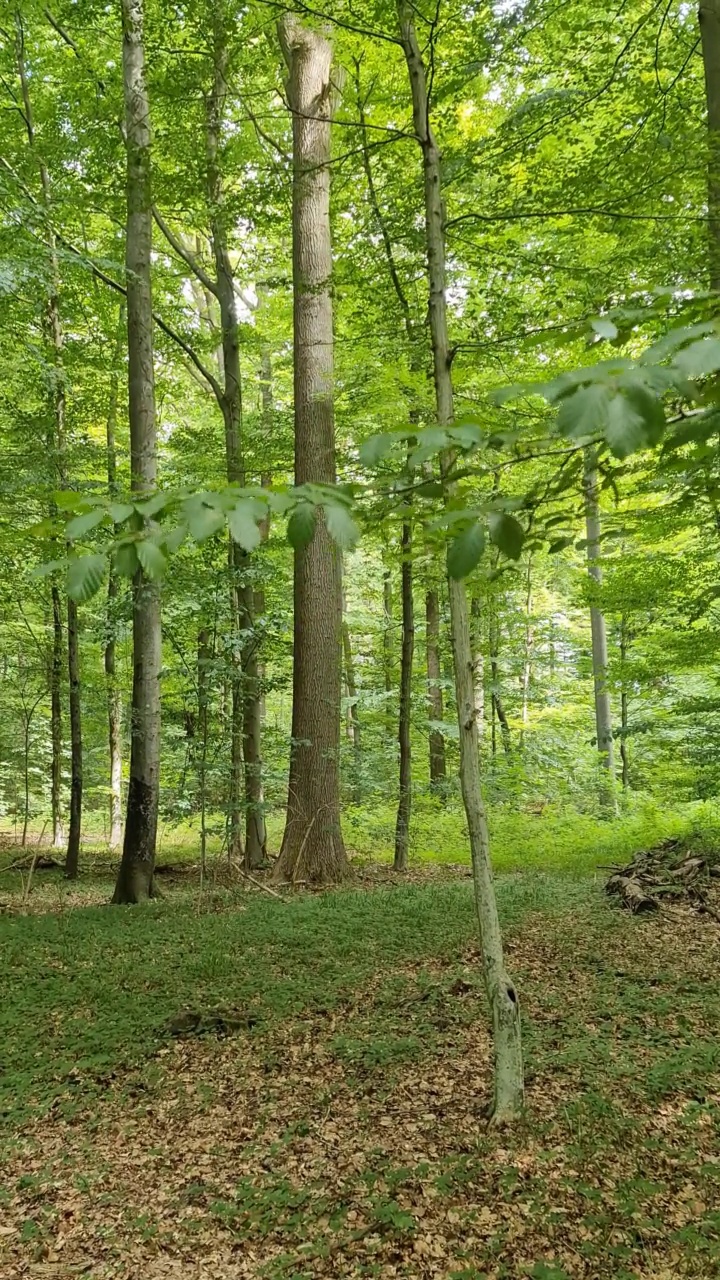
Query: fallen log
x=632 y=894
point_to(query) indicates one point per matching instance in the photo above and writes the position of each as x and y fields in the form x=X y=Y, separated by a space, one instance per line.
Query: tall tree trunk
x=135 y=878
x=709 y=15
x=509 y=1086
x=603 y=715
x=527 y=656
x=497 y=702
x=353 y=713
x=56 y=718
x=112 y=684
x=312 y=846
x=402 y=823
x=58 y=451
x=624 y=638
x=438 y=771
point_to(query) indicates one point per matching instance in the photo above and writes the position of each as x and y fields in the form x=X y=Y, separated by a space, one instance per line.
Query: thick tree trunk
x=312 y=847
x=509 y=1087
x=603 y=715
x=112 y=684
x=709 y=15
x=135 y=878
x=438 y=771
x=402 y=823
x=56 y=719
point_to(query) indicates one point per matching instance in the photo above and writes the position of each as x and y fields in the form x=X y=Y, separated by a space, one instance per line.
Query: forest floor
x=339 y=1131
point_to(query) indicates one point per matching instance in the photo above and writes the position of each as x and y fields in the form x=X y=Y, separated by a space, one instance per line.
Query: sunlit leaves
x=301 y=525
x=506 y=533
x=341 y=526
x=152 y=560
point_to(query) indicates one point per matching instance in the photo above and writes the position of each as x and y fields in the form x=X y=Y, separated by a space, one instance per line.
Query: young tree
x=709 y=15
x=603 y=714
x=312 y=846
x=502 y=996
x=438 y=771
x=135 y=878
x=112 y=684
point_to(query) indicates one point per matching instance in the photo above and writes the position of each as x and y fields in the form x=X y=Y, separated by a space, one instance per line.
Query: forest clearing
x=359 y=639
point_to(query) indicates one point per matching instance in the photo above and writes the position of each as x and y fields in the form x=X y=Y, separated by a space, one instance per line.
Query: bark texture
x=353 y=713
x=112 y=684
x=509 y=1085
x=709 y=16
x=402 y=822
x=312 y=847
x=135 y=877
x=603 y=714
x=56 y=717
x=438 y=769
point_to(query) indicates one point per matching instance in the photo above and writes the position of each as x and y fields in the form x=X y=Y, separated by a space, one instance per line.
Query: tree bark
x=603 y=715
x=387 y=647
x=312 y=847
x=353 y=713
x=246 y=756
x=509 y=1086
x=72 y=857
x=527 y=657
x=56 y=718
x=204 y=659
x=402 y=822
x=497 y=702
x=112 y=684
x=709 y=17
x=135 y=878
x=438 y=770
x=624 y=707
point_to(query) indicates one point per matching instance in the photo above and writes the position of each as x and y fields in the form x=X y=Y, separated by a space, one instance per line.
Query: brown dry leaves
x=266 y=1157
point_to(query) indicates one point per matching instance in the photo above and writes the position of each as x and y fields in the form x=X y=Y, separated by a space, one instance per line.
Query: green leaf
x=465 y=551
x=700 y=358
x=341 y=526
x=605 y=328
x=507 y=533
x=152 y=561
x=173 y=540
x=243 y=525
x=584 y=412
x=375 y=448
x=120 y=511
x=635 y=420
x=84 y=523
x=85 y=577
x=126 y=561
x=467 y=434
x=301 y=525
x=151 y=506
x=559 y=544
x=204 y=521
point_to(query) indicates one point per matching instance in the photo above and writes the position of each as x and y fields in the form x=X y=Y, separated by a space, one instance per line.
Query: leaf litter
x=351 y=1141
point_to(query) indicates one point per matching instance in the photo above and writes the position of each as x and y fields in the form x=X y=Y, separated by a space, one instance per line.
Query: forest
x=359 y=639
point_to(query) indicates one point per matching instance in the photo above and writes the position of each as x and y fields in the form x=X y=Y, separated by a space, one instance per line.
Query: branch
x=566 y=213
x=188 y=258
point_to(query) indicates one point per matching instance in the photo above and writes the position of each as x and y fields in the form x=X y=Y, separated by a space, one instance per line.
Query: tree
x=312 y=846
x=135 y=877
x=502 y=996
x=435 y=697
x=603 y=715
x=709 y=16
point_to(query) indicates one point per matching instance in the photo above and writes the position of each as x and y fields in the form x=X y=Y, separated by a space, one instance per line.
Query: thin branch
x=566 y=213
x=188 y=258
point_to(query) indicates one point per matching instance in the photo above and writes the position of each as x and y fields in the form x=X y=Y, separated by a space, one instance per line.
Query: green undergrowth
x=88 y=991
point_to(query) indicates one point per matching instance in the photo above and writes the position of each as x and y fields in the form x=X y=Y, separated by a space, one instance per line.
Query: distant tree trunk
x=387 y=647
x=624 y=706
x=603 y=716
x=312 y=846
x=497 y=702
x=58 y=452
x=527 y=657
x=353 y=713
x=478 y=667
x=112 y=684
x=709 y=15
x=438 y=771
x=509 y=1087
x=56 y=718
x=402 y=824
x=204 y=659
x=135 y=878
